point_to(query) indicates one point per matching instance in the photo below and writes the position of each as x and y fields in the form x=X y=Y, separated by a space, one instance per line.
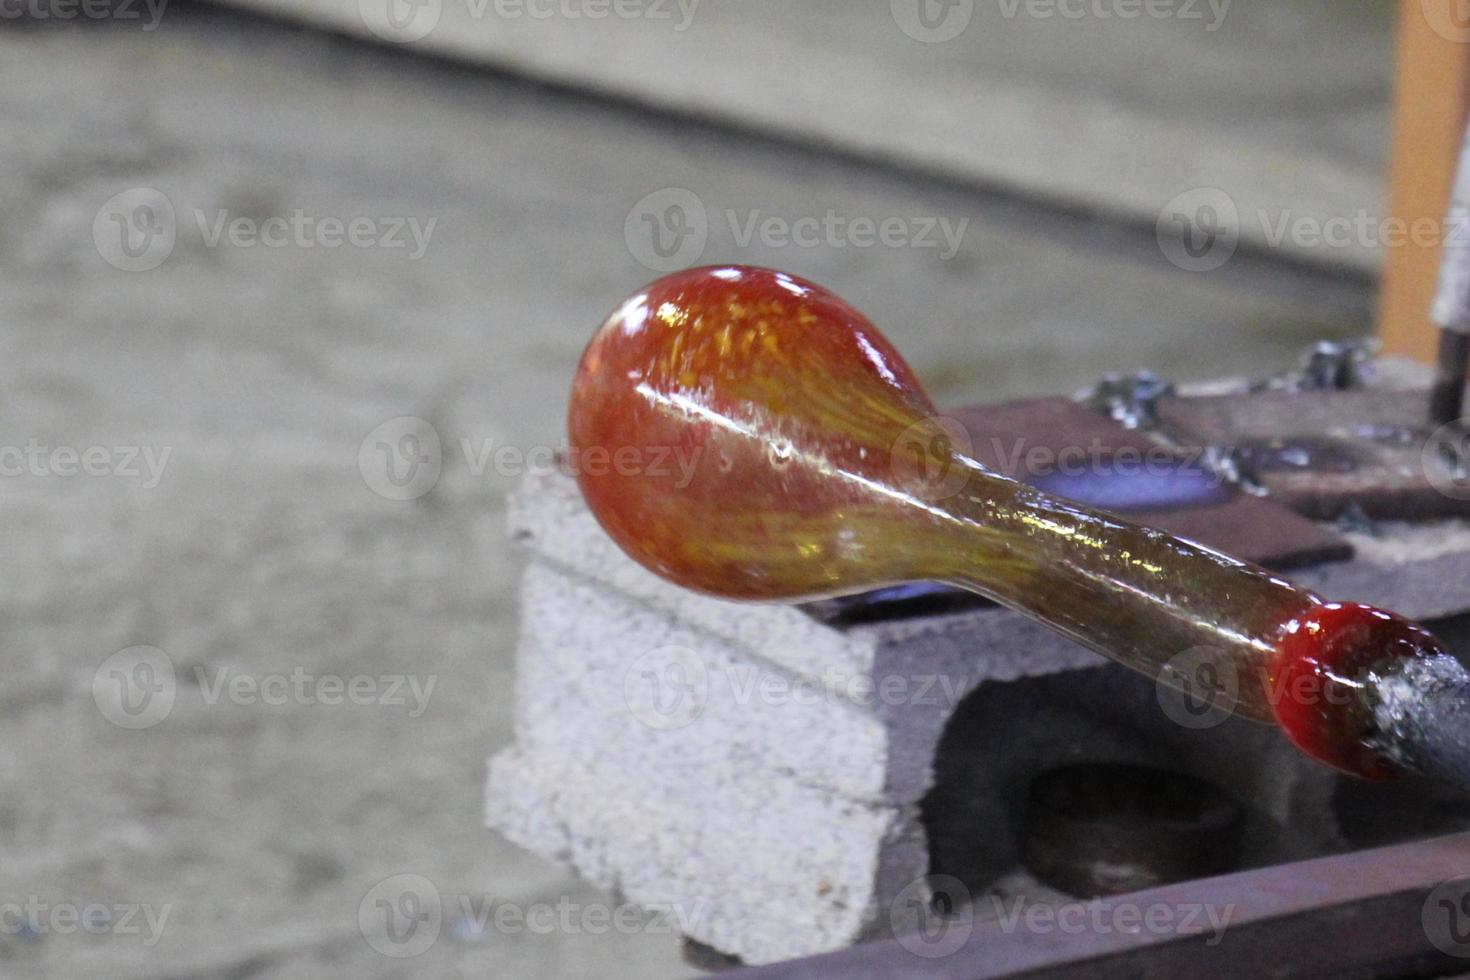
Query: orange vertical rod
x=1430 y=105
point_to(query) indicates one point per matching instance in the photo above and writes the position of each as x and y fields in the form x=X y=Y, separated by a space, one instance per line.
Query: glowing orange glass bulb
x=811 y=463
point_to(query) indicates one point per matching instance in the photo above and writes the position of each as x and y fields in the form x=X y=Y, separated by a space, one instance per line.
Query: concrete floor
x=1110 y=106
x=262 y=551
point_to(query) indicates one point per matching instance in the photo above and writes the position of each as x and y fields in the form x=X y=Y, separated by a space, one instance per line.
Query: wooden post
x=1430 y=104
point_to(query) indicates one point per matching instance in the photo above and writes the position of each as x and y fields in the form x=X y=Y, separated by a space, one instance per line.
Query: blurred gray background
x=198 y=366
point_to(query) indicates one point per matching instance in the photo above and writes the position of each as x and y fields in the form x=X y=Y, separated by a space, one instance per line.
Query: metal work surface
x=1072 y=450
x=1370 y=914
x=1320 y=452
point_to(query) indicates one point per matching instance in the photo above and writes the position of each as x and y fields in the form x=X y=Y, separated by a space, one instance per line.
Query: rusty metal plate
x=1071 y=451
x=1205 y=510
x=1321 y=452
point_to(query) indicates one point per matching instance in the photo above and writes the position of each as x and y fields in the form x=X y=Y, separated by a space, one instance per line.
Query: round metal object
x=1106 y=829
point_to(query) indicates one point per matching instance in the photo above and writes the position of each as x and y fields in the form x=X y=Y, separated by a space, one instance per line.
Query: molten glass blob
x=747 y=434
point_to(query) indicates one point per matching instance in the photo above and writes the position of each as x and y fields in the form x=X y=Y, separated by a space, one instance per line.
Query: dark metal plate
x=1228 y=519
x=1072 y=451
x=1396 y=912
x=1322 y=452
